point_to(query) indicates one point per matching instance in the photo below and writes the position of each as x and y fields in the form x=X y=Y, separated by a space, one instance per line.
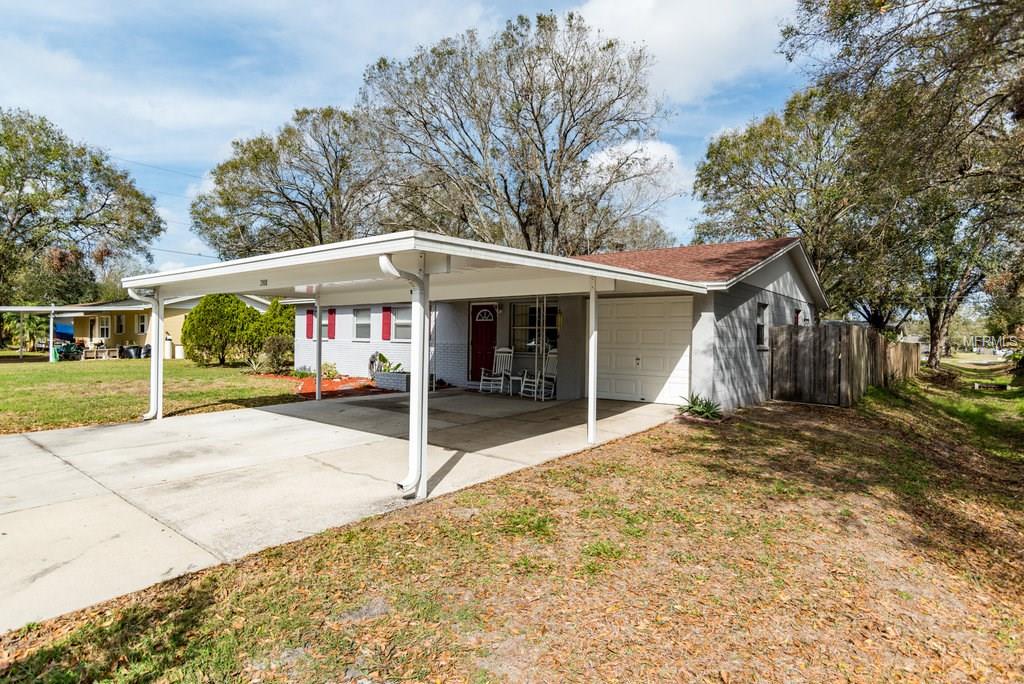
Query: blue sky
x=170 y=85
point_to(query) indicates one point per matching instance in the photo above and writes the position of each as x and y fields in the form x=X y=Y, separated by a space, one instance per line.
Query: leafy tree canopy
x=64 y=208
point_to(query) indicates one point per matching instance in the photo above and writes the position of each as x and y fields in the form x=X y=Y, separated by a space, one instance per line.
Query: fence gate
x=806 y=363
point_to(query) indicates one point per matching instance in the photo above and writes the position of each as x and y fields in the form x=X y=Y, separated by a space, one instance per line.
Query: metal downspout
x=415 y=482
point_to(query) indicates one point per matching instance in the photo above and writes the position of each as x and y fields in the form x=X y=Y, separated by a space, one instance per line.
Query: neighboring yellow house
x=126 y=323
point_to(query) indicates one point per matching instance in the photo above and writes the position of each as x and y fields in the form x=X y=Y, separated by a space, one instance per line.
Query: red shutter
x=310 y=324
x=330 y=324
x=385 y=323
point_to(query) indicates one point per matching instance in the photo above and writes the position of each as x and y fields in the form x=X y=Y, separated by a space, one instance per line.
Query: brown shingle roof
x=701 y=263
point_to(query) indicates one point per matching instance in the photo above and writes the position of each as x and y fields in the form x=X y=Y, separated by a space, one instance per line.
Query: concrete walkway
x=87 y=514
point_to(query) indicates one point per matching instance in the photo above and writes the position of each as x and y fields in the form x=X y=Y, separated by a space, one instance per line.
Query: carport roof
x=457 y=266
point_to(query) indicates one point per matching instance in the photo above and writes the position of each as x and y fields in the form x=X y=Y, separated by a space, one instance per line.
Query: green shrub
x=329 y=370
x=278 y=351
x=213 y=328
x=701 y=407
x=255 y=329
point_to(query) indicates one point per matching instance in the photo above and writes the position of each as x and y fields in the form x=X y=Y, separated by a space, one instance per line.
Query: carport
x=422 y=267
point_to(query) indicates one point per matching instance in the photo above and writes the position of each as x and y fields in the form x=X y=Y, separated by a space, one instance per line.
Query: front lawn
x=790 y=543
x=39 y=396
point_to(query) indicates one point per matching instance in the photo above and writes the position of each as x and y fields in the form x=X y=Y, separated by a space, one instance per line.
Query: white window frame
x=100 y=325
x=513 y=328
x=141 y=324
x=119 y=324
x=395 y=323
x=761 y=318
x=356 y=324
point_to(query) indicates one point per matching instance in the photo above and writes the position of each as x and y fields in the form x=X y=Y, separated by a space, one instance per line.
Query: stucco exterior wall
x=173 y=321
x=128 y=337
x=742 y=370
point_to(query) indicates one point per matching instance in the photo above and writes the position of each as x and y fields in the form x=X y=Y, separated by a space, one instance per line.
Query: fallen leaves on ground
x=791 y=543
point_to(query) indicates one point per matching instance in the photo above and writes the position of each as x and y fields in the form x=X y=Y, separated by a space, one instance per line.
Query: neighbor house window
x=761 y=328
x=361 y=324
x=401 y=322
x=324 y=326
x=140 y=323
x=119 y=324
x=796 y=316
x=104 y=327
x=526 y=325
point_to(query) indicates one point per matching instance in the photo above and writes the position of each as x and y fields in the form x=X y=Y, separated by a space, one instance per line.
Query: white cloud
x=697 y=45
x=678 y=176
x=133 y=117
x=163 y=107
x=203 y=186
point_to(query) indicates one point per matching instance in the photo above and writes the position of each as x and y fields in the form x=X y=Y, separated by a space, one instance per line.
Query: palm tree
x=27 y=330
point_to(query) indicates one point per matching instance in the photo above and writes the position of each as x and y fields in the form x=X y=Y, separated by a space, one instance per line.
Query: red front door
x=483 y=337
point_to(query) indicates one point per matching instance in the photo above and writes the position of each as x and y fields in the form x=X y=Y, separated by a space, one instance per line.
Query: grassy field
x=789 y=543
x=39 y=396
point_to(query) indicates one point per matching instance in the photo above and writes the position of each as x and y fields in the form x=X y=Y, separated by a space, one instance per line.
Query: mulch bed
x=345 y=386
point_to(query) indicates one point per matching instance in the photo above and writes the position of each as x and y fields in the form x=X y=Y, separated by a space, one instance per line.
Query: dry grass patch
x=792 y=543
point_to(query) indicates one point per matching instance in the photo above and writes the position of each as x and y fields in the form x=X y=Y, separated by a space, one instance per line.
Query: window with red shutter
x=310 y=323
x=330 y=324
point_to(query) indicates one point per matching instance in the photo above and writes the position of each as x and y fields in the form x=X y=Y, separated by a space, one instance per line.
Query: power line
x=158 y=168
x=191 y=254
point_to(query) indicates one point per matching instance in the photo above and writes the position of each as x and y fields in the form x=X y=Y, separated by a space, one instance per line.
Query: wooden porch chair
x=493 y=379
x=542 y=384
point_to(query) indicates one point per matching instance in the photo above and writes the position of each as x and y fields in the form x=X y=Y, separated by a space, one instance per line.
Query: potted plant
x=387 y=374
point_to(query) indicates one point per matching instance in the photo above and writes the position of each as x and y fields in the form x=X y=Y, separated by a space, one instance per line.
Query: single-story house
x=124 y=323
x=648 y=326
x=657 y=348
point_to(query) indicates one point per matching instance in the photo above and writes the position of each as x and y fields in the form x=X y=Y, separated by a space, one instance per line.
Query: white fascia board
x=521 y=257
x=70 y=309
x=363 y=247
x=408 y=241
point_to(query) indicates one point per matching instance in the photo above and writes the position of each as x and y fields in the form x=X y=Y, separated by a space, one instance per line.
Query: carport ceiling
x=349 y=272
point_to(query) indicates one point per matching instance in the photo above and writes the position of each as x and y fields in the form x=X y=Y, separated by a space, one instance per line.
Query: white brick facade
x=449 y=345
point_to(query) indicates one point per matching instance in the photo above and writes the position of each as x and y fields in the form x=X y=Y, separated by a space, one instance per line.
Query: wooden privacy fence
x=835 y=364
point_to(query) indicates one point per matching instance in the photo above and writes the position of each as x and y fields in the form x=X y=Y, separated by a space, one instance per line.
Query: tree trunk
x=938 y=329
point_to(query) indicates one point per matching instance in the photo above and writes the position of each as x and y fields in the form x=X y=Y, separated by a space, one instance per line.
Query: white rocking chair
x=494 y=379
x=541 y=385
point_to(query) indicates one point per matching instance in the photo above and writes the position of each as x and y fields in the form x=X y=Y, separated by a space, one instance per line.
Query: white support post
x=418 y=380
x=53 y=358
x=424 y=372
x=154 y=368
x=319 y=348
x=592 y=364
x=158 y=354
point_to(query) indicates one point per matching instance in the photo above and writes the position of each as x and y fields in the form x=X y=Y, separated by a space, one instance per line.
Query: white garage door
x=643 y=348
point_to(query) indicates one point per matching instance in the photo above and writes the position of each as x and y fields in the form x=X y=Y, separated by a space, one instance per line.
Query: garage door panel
x=657 y=332
x=625 y=337
x=653 y=336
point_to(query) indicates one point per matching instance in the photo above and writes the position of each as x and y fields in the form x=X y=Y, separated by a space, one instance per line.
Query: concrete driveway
x=87 y=514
